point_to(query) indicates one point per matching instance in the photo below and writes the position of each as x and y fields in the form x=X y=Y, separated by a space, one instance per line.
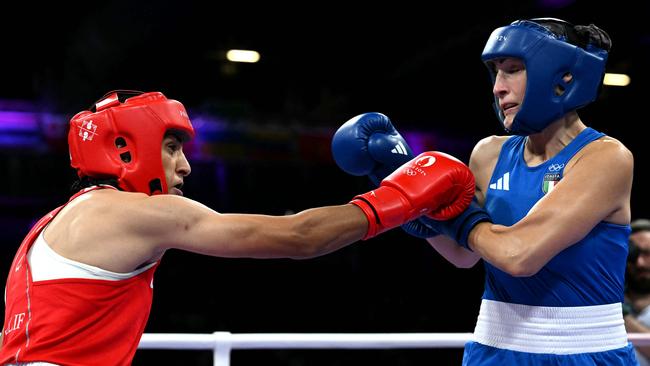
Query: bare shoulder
x=613 y=146
x=605 y=153
x=119 y=231
x=604 y=169
x=157 y=213
x=487 y=149
x=608 y=142
x=483 y=160
x=106 y=205
x=95 y=214
x=110 y=212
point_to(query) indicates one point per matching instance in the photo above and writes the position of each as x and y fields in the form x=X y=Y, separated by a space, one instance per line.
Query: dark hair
x=636 y=226
x=580 y=35
x=640 y=225
x=85 y=182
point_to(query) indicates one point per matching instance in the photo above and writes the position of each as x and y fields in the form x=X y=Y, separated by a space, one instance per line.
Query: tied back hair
x=582 y=36
x=595 y=36
x=85 y=182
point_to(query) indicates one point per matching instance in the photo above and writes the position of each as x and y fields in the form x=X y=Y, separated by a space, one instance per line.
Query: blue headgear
x=548 y=57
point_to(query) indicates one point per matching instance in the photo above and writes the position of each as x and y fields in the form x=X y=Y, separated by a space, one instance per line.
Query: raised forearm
x=503 y=248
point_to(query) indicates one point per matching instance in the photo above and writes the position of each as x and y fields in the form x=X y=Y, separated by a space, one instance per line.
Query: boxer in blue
x=552 y=206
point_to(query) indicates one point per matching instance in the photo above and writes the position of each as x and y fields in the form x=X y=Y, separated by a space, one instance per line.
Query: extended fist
x=433 y=184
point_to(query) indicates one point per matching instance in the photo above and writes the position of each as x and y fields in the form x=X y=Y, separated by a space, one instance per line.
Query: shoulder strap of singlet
x=586 y=136
x=509 y=150
x=40 y=224
x=512 y=143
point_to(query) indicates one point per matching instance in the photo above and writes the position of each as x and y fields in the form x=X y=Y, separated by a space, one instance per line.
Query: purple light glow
x=210 y=123
x=19 y=129
x=555 y=4
x=18 y=121
x=30 y=129
x=420 y=141
x=206 y=128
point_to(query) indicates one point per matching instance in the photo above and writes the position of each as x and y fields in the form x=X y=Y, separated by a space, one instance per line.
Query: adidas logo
x=502 y=184
x=399 y=149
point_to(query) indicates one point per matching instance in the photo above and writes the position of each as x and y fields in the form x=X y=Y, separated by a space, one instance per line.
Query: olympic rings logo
x=555 y=167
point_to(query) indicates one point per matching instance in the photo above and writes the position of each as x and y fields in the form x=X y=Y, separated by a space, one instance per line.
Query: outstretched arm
x=430 y=183
x=306 y=234
x=121 y=231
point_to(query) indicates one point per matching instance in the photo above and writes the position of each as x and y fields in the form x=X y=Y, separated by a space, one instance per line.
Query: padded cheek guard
x=122 y=139
x=548 y=58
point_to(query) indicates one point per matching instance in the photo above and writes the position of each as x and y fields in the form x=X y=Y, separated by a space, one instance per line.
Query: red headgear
x=122 y=139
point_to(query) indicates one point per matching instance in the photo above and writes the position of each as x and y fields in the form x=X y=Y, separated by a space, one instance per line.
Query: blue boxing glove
x=369 y=144
x=420 y=229
x=459 y=227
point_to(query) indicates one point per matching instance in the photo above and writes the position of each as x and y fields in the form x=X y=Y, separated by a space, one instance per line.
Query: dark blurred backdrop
x=264 y=148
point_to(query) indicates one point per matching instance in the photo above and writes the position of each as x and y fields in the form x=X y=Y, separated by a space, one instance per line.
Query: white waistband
x=545 y=329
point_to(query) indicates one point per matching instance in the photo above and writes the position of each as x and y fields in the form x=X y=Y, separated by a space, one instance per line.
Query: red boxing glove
x=433 y=184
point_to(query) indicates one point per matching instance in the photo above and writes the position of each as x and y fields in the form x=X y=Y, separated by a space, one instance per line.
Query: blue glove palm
x=419 y=229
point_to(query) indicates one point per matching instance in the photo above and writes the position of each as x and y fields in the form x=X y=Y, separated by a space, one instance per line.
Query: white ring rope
x=304 y=340
x=223 y=342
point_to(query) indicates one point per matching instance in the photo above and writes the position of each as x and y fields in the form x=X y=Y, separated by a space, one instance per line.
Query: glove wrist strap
x=385 y=208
